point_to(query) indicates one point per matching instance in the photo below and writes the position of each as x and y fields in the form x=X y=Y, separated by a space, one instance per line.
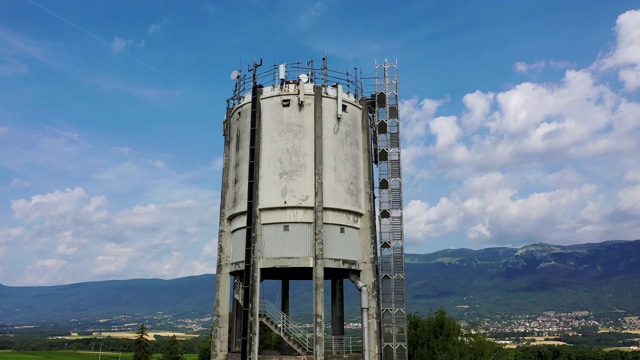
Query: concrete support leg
x=237 y=326
x=318 y=220
x=284 y=307
x=221 y=320
x=337 y=307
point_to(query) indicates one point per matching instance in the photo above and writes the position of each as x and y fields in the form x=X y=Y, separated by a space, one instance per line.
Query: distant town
x=546 y=328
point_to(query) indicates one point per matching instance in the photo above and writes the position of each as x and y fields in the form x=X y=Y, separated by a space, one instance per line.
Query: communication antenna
x=303 y=78
x=235 y=74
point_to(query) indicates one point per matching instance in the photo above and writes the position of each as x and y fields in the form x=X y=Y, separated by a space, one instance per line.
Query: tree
x=204 y=351
x=172 y=350
x=141 y=346
x=440 y=337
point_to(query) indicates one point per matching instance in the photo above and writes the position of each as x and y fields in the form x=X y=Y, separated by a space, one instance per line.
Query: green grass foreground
x=74 y=355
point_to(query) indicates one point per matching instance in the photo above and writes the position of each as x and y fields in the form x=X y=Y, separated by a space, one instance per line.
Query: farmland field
x=73 y=355
x=132 y=335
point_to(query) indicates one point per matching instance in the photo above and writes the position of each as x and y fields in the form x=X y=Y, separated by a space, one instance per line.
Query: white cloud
x=312 y=13
x=416 y=116
x=44 y=271
x=446 y=131
x=76 y=237
x=541 y=161
x=627 y=49
x=632 y=176
x=4 y=131
x=118 y=45
x=537 y=67
x=625 y=57
x=112 y=259
x=479 y=106
x=524 y=68
x=19 y=183
x=156 y=28
x=629 y=200
x=54 y=205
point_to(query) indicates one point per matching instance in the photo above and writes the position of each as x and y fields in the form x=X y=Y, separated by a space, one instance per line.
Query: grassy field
x=72 y=355
x=132 y=335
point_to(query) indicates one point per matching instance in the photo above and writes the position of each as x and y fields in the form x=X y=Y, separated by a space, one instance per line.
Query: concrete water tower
x=298 y=203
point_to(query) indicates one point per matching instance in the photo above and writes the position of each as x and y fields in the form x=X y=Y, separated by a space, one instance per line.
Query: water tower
x=306 y=155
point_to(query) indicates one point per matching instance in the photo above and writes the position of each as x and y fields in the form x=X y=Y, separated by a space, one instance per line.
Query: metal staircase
x=393 y=308
x=293 y=333
x=280 y=323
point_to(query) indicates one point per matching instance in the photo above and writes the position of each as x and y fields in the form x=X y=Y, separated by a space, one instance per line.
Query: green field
x=73 y=355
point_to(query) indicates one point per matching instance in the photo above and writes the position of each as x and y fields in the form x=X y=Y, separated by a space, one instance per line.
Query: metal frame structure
x=393 y=310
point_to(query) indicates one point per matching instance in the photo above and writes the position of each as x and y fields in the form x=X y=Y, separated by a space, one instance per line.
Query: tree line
x=169 y=346
x=434 y=336
x=439 y=336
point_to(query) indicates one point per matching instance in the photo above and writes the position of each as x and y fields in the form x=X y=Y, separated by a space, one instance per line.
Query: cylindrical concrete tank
x=312 y=215
x=287 y=176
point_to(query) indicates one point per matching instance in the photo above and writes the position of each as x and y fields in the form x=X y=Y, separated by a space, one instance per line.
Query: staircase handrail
x=286 y=325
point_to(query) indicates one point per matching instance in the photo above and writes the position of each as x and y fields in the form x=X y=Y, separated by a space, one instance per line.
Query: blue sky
x=520 y=122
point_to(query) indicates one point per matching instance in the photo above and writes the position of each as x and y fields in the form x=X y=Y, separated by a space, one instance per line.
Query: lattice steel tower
x=391 y=261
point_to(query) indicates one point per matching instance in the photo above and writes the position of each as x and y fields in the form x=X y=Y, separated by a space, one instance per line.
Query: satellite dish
x=303 y=78
x=235 y=74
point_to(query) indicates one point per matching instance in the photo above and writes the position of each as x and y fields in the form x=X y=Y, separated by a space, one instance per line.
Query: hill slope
x=130 y=300
x=600 y=278
x=470 y=284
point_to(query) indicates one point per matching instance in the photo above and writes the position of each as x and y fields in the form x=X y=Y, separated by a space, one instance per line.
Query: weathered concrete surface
x=318 y=266
x=314 y=179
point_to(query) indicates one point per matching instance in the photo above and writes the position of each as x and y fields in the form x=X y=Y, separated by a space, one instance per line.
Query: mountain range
x=602 y=278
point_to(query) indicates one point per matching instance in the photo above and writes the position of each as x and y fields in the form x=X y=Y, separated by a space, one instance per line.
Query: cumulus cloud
x=625 y=57
x=536 y=162
x=116 y=243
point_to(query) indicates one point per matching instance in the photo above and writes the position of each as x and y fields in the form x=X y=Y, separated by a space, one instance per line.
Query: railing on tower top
x=273 y=76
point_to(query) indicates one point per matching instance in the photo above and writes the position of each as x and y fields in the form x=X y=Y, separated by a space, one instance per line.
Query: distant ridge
x=598 y=277
x=88 y=302
x=469 y=284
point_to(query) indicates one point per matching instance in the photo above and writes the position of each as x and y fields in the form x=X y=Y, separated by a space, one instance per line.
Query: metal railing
x=286 y=325
x=342 y=345
x=298 y=333
x=269 y=75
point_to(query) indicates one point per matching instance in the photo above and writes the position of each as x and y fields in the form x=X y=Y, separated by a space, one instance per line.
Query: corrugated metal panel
x=287 y=240
x=238 y=238
x=341 y=242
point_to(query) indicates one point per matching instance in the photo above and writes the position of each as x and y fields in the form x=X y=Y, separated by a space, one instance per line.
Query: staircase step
x=286 y=337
